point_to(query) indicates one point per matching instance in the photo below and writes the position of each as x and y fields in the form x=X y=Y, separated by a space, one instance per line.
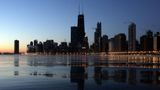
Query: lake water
x=79 y=72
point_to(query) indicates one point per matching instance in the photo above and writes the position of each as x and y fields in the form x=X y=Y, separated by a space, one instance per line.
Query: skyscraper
x=75 y=43
x=97 y=38
x=81 y=28
x=16 y=47
x=78 y=39
x=132 y=37
x=74 y=36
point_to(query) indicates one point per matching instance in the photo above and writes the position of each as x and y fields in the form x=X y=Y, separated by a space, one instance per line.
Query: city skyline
x=45 y=19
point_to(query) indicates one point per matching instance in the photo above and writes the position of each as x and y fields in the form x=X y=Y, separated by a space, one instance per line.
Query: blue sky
x=27 y=20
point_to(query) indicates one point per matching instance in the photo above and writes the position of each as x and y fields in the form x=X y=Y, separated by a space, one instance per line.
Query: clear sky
x=27 y=20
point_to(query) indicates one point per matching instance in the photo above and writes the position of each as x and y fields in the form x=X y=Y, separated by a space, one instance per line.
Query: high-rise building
x=105 y=43
x=157 y=41
x=78 y=39
x=81 y=28
x=35 y=43
x=147 y=41
x=143 y=43
x=132 y=37
x=16 y=47
x=75 y=43
x=74 y=36
x=97 y=38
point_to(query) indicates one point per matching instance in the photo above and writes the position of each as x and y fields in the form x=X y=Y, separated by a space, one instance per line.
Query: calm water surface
x=79 y=72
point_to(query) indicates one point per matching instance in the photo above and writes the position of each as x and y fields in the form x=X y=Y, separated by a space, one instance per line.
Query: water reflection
x=16 y=73
x=16 y=64
x=16 y=61
x=78 y=73
x=46 y=74
x=97 y=72
x=132 y=75
x=48 y=61
x=83 y=70
x=141 y=61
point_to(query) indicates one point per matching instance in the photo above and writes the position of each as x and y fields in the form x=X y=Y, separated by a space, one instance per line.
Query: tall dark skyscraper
x=97 y=37
x=16 y=47
x=132 y=37
x=81 y=28
x=105 y=43
x=78 y=39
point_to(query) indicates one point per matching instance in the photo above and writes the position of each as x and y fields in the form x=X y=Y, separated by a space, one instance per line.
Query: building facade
x=97 y=38
x=132 y=37
x=16 y=47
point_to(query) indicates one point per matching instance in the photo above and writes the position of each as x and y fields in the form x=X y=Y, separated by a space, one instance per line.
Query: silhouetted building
x=85 y=47
x=105 y=43
x=147 y=41
x=35 y=43
x=143 y=42
x=16 y=47
x=157 y=41
x=48 y=46
x=97 y=38
x=39 y=47
x=132 y=37
x=63 y=47
x=120 y=43
x=81 y=28
x=78 y=39
x=30 y=48
x=111 y=45
x=75 y=43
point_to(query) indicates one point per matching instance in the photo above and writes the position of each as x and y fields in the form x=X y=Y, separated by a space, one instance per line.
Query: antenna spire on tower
x=80 y=8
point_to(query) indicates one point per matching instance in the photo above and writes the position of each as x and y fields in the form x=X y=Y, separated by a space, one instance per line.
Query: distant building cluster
x=147 y=42
x=47 y=47
x=79 y=42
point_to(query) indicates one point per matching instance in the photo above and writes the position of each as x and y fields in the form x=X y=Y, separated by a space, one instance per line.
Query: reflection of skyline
x=132 y=75
x=78 y=73
x=141 y=61
x=16 y=64
x=82 y=70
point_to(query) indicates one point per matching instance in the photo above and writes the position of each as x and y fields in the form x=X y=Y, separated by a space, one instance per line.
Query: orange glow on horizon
x=10 y=49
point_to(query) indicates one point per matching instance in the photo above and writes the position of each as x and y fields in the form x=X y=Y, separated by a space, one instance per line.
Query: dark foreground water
x=79 y=72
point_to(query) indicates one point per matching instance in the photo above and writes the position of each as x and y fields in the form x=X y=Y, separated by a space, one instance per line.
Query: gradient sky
x=27 y=20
